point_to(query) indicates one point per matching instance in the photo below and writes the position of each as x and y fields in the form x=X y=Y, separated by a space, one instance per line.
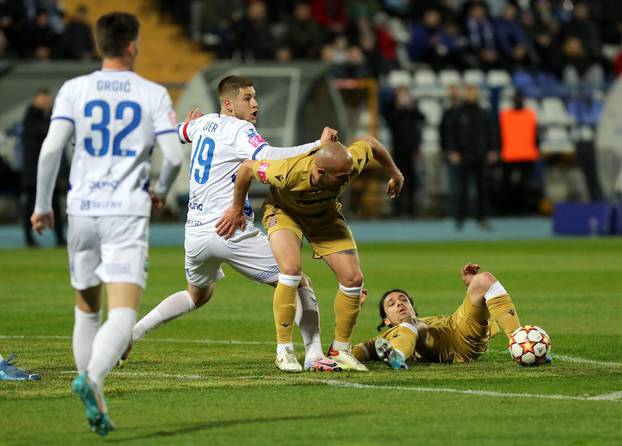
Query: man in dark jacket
x=405 y=122
x=471 y=147
x=449 y=115
x=35 y=128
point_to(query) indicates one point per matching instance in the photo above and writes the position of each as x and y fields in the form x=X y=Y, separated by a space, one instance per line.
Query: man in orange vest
x=519 y=153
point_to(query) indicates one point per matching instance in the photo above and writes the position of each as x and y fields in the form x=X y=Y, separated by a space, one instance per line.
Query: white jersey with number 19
x=117 y=116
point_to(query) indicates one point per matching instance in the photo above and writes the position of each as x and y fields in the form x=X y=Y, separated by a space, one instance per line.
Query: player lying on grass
x=461 y=337
x=220 y=143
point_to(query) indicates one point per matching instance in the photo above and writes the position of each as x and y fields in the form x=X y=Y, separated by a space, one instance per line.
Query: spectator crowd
x=371 y=37
x=40 y=30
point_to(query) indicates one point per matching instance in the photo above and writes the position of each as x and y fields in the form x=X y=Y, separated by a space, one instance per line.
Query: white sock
x=281 y=347
x=341 y=345
x=85 y=326
x=308 y=320
x=110 y=343
x=170 y=308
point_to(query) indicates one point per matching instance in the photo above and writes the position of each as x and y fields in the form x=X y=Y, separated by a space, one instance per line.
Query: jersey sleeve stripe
x=66 y=118
x=162 y=132
x=184 y=131
x=256 y=152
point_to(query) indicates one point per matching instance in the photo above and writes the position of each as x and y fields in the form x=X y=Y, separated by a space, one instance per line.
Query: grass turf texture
x=213 y=391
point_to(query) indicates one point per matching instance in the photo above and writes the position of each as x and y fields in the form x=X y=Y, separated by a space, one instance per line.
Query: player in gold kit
x=461 y=337
x=303 y=201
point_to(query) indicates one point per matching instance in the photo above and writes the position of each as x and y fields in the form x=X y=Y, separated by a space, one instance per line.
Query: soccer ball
x=530 y=345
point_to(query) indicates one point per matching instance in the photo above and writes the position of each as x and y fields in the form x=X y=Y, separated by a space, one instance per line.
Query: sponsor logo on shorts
x=272 y=221
x=261 y=172
x=86 y=205
x=267 y=275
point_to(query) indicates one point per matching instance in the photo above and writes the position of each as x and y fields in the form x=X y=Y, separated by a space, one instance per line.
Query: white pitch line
x=614 y=396
x=563 y=358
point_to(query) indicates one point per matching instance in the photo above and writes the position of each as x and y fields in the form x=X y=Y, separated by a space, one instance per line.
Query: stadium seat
x=425 y=78
x=430 y=139
x=432 y=110
x=473 y=77
x=449 y=77
x=554 y=112
x=398 y=78
x=556 y=141
x=498 y=78
x=525 y=81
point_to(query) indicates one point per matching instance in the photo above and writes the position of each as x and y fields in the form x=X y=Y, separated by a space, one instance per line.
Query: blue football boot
x=94 y=405
x=8 y=372
x=388 y=355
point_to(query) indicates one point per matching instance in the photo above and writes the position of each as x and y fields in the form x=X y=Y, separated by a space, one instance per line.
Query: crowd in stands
x=40 y=30
x=370 y=37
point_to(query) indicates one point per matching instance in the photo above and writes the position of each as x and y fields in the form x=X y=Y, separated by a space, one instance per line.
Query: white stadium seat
x=449 y=77
x=430 y=139
x=399 y=78
x=432 y=110
x=425 y=78
x=473 y=77
x=498 y=78
x=553 y=111
x=556 y=140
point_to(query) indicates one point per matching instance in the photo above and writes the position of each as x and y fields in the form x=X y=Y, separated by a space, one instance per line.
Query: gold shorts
x=470 y=331
x=461 y=337
x=327 y=235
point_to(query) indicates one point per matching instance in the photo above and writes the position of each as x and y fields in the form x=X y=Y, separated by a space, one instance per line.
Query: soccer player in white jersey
x=220 y=143
x=116 y=117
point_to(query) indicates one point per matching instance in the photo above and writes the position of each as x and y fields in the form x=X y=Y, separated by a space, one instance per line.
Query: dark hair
x=383 y=314
x=232 y=84
x=114 y=32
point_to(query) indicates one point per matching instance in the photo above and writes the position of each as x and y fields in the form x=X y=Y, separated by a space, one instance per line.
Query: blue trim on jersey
x=258 y=150
x=162 y=132
x=146 y=186
x=66 y=118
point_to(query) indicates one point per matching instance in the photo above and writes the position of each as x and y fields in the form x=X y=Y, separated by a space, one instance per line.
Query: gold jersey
x=290 y=182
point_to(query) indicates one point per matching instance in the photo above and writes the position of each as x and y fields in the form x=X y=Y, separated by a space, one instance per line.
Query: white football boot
x=286 y=361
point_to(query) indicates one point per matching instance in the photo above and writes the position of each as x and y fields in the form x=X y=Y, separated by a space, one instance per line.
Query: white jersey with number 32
x=117 y=116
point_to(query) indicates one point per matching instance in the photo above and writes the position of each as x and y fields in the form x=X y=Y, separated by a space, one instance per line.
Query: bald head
x=332 y=166
x=333 y=157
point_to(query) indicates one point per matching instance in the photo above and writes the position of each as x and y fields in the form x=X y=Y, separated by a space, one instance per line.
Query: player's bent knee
x=200 y=296
x=290 y=270
x=482 y=281
x=352 y=280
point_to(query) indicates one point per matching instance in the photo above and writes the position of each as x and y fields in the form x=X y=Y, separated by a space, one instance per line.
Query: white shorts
x=248 y=252
x=109 y=249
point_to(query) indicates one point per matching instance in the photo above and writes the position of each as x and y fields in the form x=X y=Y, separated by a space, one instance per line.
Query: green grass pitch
x=209 y=377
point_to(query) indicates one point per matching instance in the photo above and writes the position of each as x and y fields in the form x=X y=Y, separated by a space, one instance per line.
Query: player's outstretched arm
x=233 y=217
x=47 y=170
x=382 y=155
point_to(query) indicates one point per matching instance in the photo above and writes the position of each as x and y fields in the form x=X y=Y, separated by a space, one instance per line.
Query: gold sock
x=403 y=339
x=346 y=311
x=503 y=312
x=284 y=308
